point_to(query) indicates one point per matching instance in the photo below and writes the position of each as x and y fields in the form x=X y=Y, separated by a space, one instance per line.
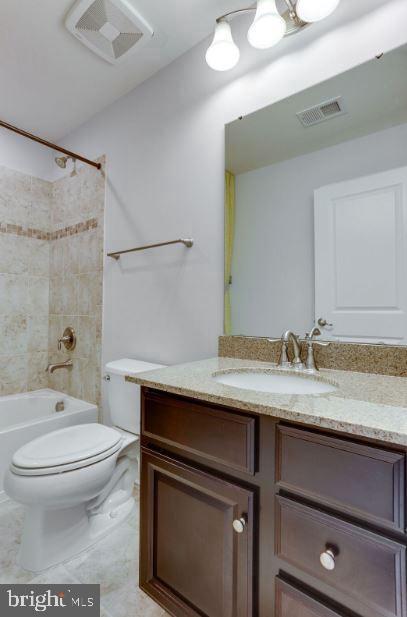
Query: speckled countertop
x=364 y=404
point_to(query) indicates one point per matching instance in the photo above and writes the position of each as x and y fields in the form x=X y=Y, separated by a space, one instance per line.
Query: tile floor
x=112 y=563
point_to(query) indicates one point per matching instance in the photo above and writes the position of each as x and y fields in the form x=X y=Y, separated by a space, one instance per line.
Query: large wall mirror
x=316 y=210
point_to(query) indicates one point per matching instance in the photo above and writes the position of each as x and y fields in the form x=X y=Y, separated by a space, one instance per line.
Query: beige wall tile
x=55 y=332
x=15 y=198
x=46 y=285
x=60 y=379
x=71 y=256
x=13 y=334
x=38 y=291
x=55 y=295
x=56 y=258
x=13 y=387
x=14 y=254
x=37 y=376
x=89 y=293
x=13 y=368
x=69 y=295
x=39 y=252
x=37 y=333
x=13 y=294
x=58 y=204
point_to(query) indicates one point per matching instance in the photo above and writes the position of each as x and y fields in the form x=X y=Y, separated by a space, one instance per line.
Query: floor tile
x=11 y=521
x=56 y=575
x=112 y=563
x=131 y=601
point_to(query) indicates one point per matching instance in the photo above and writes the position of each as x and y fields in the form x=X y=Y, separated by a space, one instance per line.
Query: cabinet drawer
x=363 y=481
x=366 y=567
x=224 y=437
x=291 y=602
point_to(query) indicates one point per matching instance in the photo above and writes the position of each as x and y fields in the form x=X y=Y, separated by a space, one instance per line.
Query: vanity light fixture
x=268 y=28
x=315 y=10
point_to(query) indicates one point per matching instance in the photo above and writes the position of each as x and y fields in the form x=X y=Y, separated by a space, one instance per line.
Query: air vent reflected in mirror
x=324 y=111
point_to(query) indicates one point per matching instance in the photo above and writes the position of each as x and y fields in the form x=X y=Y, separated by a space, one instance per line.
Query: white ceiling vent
x=113 y=29
x=324 y=111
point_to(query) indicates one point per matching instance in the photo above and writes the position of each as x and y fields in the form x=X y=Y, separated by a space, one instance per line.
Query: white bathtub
x=26 y=416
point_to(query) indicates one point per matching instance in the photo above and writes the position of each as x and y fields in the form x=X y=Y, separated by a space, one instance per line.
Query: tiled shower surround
x=51 y=276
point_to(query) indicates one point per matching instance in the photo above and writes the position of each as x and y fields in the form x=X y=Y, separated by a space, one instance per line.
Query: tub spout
x=54 y=367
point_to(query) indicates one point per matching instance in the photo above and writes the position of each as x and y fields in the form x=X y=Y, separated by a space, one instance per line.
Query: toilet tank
x=124 y=396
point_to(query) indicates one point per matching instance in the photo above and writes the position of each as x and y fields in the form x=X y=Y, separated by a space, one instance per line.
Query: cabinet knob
x=327 y=559
x=239 y=525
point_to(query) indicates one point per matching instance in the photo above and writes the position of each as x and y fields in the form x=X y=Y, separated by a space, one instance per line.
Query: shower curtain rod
x=48 y=144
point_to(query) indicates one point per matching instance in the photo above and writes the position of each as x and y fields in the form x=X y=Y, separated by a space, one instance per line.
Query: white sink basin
x=277 y=383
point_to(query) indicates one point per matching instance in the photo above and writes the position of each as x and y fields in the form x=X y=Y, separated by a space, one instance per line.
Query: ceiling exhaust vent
x=113 y=29
x=324 y=111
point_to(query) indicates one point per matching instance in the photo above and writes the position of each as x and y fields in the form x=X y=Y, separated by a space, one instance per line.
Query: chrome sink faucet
x=285 y=362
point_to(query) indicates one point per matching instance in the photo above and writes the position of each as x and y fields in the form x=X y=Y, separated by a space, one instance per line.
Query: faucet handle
x=309 y=336
x=284 y=361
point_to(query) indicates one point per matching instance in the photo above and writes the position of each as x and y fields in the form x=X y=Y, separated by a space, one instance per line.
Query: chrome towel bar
x=185 y=241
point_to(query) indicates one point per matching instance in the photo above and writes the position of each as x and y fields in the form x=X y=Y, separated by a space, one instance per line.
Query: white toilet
x=77 y=482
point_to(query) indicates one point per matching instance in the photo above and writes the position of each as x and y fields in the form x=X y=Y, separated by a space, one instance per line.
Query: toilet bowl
x=77 y=482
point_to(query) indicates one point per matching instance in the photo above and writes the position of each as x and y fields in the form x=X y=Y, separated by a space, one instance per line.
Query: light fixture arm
x=232 y=14
x=251 y=9
x=292 y=13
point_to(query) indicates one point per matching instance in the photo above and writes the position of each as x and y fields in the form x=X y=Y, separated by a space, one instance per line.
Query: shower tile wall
x=24 y=281
x=51 y=276
x=76 y=280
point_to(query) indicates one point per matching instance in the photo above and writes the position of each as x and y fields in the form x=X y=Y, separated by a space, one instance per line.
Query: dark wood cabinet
x=223 y=437
x=293 y=602
x=193 y=560
x=363 y=565
x=294 y=494
x=358 y=479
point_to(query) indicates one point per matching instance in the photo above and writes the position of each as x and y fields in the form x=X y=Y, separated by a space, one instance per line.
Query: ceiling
x=51 y=83
x=375 y=95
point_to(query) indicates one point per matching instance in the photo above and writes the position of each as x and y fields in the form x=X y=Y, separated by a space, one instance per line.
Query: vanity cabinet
x=198 y=528
x=246 y=516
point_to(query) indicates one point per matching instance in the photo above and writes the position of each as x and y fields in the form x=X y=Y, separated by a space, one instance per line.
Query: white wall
x=273 y=259
x=23 y=155
x=165 y=150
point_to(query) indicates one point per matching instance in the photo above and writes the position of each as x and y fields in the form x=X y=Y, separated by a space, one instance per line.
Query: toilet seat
x=67 y=449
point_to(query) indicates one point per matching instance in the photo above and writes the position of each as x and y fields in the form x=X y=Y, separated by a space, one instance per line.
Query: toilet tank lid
x=128 y=366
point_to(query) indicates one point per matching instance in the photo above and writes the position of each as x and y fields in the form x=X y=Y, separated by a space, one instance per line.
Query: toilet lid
x=72 y=447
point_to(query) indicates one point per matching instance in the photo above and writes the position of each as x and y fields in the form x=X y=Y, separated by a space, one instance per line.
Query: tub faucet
x=54 y=367
x=284 y=362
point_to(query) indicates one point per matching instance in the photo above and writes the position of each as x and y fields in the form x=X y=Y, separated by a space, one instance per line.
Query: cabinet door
x=193 y=561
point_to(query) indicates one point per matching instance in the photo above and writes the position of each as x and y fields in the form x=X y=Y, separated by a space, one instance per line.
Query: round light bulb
x=268 y=27
x=315 y=10
x=223 y=54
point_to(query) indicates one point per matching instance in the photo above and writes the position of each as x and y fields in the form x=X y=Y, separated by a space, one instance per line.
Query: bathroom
x=136 y=155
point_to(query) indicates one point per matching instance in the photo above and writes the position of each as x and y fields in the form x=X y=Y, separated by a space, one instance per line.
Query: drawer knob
x=239 y=525
x=327 y=559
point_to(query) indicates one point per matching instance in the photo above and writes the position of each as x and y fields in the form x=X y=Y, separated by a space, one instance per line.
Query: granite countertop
x=364 y=404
